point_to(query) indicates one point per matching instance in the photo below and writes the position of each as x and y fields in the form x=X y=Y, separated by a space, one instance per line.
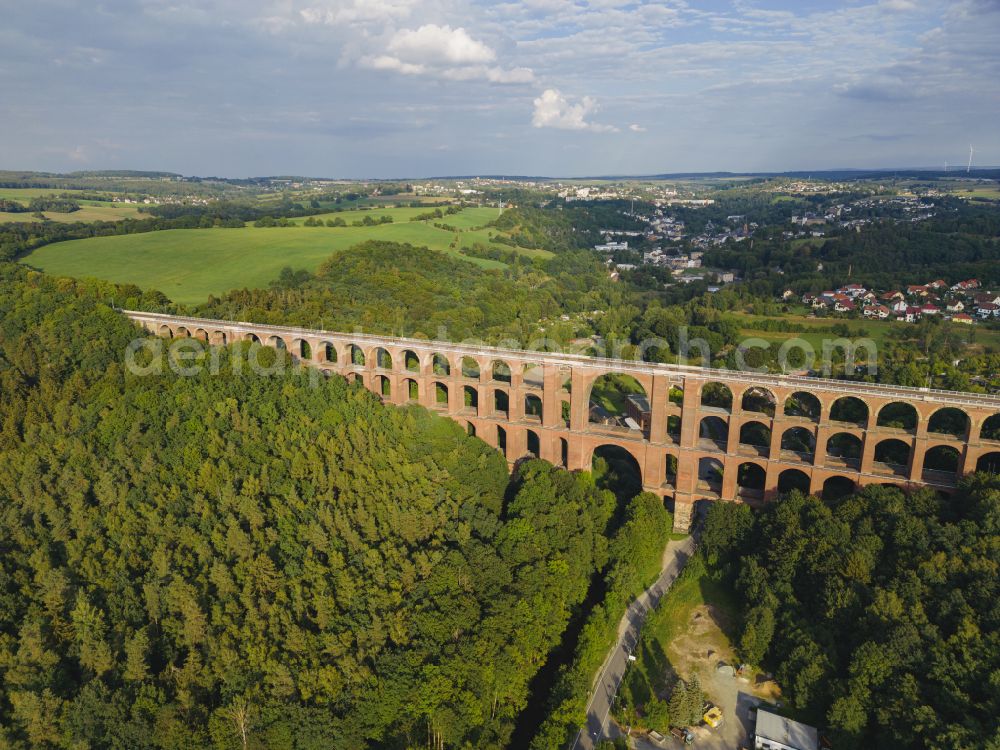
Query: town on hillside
x=963 y=303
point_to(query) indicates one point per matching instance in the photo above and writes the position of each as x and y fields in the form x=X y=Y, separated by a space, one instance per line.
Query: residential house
x=637 y=408
x=610 y=247
x=966 y=286
x=988 y=310
x=852 y=290
x=876 y=311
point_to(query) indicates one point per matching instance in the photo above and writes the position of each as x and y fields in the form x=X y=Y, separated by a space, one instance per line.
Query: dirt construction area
x=702 y=648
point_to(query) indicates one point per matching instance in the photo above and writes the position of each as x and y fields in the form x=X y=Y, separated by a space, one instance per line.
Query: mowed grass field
x=90 y=211
x=96 y=212
x=877 y=330
x=188 y=265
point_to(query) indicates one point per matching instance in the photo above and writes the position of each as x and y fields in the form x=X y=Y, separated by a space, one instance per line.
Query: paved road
x=599 y=707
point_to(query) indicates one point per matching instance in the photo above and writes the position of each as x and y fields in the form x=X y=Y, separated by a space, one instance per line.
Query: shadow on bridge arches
x=616 y=469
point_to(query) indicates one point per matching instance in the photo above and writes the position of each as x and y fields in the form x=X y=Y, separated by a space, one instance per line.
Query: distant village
x=963 y=302
x=685 y=265
x=847 y=216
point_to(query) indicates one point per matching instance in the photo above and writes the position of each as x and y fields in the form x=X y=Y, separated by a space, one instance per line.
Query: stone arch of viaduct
x=690 y=444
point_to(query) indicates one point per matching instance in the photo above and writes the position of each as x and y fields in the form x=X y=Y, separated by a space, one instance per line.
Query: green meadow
x=877 y=330
x=90 y=211
x=188 y=265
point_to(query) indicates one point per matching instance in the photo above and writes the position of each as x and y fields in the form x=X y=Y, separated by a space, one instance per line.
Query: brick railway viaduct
x=699 y=434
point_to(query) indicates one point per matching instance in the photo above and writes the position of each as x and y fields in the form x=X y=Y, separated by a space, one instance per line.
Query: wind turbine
x=969 y=167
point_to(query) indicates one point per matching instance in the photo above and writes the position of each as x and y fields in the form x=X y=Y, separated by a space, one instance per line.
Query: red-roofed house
x=877 y=311
x=962 y=318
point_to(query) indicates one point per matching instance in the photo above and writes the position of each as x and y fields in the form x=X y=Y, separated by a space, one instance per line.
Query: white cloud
x=388 y=62
x=899 y=6
x=444 y=52
x=553 y=110
x=636 y=128
x=439 y=45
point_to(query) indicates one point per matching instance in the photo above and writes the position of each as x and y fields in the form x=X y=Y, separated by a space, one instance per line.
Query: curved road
x=613 y=670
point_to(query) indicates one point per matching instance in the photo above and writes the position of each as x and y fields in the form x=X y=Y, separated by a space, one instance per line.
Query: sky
x=417 y=88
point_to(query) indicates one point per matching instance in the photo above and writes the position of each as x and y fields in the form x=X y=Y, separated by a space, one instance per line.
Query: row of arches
x=850 y=409
x=533 y=442
x=532 y=403
x=950 y=421
x=801 y=442
x=900 y=415
x=382 y=358
x=890 y=454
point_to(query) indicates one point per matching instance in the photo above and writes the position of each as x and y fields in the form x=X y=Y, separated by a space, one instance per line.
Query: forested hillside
x=235 y=560
x=880 y=615
x=961 y=243
x=387 y=287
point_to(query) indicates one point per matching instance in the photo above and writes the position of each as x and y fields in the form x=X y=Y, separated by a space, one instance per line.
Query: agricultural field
x=970 y=188
x=23 y=195
x=818 y=328
x=91 y=210
x=876 y=330
x=990 y=192
x=188 y=265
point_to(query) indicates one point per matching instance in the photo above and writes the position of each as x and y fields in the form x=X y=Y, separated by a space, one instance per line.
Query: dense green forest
x=230 y=560
x=961 y=242
x=878 y=614
x=387 y=287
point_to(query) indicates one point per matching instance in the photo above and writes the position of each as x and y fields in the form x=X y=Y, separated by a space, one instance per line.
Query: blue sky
x=385 y=88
